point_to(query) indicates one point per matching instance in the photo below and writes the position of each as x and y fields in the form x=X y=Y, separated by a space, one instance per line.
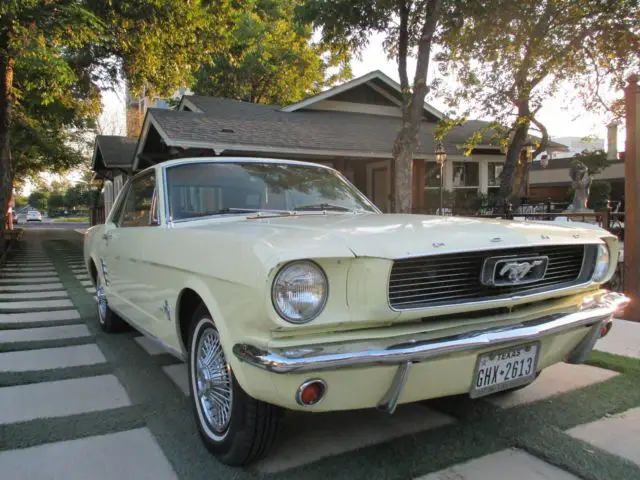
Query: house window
x=495 y=170
x=466 y=174
x=432 y=174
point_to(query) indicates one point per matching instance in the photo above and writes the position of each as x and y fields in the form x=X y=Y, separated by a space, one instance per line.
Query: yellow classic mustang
x=284 y=287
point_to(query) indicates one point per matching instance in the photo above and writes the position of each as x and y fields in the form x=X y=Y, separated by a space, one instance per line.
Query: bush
x=599 y=196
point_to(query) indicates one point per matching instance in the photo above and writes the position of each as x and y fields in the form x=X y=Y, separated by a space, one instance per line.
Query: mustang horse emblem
x=517 y=271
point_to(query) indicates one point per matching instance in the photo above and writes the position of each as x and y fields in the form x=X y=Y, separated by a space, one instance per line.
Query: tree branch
x=544 y=142
x=403 y=45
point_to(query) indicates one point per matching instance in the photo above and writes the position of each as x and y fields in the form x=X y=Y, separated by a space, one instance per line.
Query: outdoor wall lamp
x=441 y=158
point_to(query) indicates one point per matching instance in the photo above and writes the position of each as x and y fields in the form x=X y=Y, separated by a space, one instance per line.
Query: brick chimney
x=135 y=116
x=612 y=141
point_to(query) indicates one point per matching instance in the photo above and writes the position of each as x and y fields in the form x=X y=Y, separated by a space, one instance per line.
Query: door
x=379 y=184
x=125 y=237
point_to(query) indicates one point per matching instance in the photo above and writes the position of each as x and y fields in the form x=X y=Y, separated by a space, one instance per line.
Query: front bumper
x=594 y=312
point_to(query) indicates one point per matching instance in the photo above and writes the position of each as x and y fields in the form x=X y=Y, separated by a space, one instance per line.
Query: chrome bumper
x=594 y=312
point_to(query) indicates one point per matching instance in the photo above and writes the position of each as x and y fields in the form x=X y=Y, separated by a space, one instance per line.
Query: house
x=552 y=181
x=112 y=163
x=351 y=127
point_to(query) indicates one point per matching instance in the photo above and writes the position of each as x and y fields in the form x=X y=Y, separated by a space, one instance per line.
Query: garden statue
x=581 y=183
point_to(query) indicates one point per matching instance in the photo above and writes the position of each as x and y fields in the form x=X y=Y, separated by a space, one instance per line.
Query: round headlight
x=300 y=291
x=602 y=264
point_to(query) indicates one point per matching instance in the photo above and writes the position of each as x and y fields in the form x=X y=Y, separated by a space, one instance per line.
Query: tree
x=36 y=37
x=511 y=57
x=271 y=58
x=409 y=26
x=54 y=55
x=39 y=199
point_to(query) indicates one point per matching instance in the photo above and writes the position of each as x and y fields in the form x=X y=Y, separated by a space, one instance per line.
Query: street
x=78 y=403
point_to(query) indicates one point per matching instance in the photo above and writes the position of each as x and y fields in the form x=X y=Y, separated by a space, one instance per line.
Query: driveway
x=77 y=403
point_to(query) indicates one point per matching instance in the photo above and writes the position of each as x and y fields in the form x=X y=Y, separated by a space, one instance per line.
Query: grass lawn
x=71 y=220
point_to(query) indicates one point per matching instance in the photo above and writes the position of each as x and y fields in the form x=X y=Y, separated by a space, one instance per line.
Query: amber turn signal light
x=311 y=392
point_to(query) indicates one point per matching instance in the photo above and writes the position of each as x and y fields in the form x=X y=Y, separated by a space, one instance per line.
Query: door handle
x=106 y=236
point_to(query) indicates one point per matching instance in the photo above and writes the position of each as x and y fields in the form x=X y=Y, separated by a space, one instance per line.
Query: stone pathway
x=41 y=331
x=76 y=403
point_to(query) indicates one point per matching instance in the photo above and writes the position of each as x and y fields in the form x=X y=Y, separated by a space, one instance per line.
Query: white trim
x=351 y=84
x=370 y=168
x=353 y=107
x=185 y=101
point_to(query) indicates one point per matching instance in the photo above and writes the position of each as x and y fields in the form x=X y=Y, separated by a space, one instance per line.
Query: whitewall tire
x=235 y=427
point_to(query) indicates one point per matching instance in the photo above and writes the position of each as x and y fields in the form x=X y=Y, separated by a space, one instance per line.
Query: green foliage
x=271 y=58
x=39 y=199
x=595 y=160
x=510 y=58
x=599 y=196
x=156 y=45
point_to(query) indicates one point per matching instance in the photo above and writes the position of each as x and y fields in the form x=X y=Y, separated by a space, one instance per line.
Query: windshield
x=211 y=188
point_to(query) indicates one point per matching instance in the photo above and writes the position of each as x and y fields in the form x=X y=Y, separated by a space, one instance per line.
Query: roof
x=562 y=163
x=233 y=125
x=375 y=78
x=113 y=152
x=361 y=121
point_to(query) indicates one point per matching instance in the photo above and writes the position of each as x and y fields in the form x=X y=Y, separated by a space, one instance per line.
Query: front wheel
x=235 y=427
x=110 y=322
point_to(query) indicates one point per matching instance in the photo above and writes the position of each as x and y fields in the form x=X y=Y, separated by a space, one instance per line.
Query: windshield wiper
x=324 y=206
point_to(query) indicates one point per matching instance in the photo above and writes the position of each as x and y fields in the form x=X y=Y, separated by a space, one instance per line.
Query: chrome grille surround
x=455 y=278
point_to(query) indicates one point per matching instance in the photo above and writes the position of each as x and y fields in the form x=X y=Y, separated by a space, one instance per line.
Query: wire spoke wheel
x=214 y=389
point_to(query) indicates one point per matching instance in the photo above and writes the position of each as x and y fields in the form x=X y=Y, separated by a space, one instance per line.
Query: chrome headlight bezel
x=602 y=263
x=320 y=305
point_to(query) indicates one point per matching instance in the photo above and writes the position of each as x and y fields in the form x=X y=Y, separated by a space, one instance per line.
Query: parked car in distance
x=34 y=216
x=284 y=288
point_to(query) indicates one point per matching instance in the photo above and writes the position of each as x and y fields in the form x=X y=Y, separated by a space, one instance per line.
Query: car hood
x=398 y=235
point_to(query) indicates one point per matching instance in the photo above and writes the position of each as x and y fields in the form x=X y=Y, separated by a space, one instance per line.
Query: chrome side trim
x=389 y=401
x=307 y=358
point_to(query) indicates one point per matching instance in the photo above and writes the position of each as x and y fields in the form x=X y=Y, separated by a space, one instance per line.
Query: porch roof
x=113 y=152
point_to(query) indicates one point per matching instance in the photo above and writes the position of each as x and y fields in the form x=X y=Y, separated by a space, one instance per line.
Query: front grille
x=455 y=278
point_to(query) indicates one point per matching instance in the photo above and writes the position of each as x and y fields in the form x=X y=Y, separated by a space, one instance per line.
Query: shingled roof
x=113 y=152
x=309 y=128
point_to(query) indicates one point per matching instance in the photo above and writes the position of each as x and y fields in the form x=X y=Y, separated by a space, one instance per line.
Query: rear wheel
x=235 y=427
x=110 y=322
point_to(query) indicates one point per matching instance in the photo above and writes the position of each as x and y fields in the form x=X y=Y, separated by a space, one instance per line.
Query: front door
x=379 y=184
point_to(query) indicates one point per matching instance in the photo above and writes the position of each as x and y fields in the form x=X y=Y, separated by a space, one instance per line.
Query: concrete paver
x=64 y=397
x=179 y=375
x=623 y=339
x=49 y=358
x=34 y=273
x=149 y=346
x=30 y=280
x=35 y=305
x=44 y=333
x=26 y=318
x=618 y=434
x=327 y=434
x=31 y=288
x=126 y=455
x=559 y=378
x=506 y=464
x=33 y=295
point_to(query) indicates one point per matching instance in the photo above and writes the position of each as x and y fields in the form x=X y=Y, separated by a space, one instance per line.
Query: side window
x=140 y=206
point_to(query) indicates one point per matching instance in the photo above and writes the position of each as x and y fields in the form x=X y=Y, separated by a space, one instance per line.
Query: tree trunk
x=412 y=103
x=521 y=129
x=6 y=99
x=403 y=148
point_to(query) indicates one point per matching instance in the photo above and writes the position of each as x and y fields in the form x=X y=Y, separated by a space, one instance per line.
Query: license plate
x=503 y=369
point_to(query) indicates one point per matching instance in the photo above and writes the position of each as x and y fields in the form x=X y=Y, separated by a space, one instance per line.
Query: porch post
x=483 y=175
x=418 y=185
x=632 y=199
